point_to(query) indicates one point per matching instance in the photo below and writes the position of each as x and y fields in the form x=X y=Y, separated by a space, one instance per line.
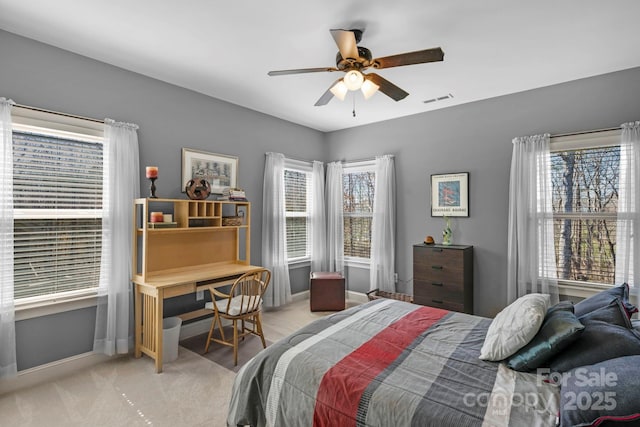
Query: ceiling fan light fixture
x=339 y=90
x=353 y=80
x=369 y=88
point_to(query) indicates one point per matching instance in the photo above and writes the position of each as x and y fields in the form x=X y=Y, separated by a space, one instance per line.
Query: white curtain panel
x=274 y=232
x=628 y=223
x=8 y=365
x=383 y=227
x=121 y=185
x=531 y=261
x=335 y=224
x=318 y=219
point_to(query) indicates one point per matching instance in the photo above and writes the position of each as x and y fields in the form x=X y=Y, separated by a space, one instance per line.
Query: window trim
x=25 y=119
x=581 y=141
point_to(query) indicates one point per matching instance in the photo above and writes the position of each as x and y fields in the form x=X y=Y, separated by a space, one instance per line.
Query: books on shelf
x=163 y=224
x=233 y=194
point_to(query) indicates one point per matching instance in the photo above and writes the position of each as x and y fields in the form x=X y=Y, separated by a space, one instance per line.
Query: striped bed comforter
x=388 y=363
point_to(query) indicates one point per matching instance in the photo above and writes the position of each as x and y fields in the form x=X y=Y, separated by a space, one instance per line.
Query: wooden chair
x=243 y=303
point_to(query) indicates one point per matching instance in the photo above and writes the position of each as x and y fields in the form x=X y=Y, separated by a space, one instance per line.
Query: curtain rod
x=42 y=110
x=368 y=159
x=299 y=160
x=584 y=132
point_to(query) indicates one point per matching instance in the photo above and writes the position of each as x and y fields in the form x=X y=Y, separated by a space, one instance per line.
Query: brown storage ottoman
x=326 y=291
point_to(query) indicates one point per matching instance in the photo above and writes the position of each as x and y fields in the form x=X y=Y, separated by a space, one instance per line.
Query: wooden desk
x=151 y=293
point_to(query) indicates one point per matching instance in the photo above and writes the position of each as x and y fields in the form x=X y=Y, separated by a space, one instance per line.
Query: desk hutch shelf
x=191 y=254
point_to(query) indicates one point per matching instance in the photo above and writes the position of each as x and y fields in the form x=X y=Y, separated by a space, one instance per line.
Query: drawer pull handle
x=437 y=301
x=437 y=250
x=436 y=267
x=437 y=284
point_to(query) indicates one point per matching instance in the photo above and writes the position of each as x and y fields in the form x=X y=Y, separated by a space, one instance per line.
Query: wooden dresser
x=443 y=276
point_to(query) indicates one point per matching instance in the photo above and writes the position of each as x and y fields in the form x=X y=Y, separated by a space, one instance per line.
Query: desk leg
x=158 y=331
x=137 y=320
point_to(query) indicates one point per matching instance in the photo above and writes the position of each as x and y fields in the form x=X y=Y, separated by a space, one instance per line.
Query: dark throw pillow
x=559 y=329
x=602 y=394
x=607 y=334
x=602 y=299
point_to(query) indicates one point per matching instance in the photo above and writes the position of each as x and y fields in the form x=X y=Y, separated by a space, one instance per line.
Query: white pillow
x=514 y=327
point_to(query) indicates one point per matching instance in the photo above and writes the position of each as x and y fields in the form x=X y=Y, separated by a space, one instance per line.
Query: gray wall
x=169 y=118
x=476 y=138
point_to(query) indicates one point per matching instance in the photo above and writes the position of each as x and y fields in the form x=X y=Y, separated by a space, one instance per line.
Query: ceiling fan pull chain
x=354 y=104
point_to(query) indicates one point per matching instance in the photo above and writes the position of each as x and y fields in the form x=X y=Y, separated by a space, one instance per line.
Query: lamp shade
x=353 y=80
x=369 y=88
x=339 y=90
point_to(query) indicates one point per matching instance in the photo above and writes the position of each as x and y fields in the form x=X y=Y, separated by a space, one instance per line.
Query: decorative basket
x=232 y=221
x=377 y=294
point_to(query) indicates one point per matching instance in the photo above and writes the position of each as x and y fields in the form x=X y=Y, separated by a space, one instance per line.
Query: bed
x=393 y=363
x=388 y=363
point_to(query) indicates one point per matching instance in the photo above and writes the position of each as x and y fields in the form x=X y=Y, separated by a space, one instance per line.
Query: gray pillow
x=606 y=392
x=607 y=334
x=602 y=299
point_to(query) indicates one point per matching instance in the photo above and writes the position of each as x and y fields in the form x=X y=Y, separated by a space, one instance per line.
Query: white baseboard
x=357 y=297
x=53 y=371
x=198 y=327
x=300 y=296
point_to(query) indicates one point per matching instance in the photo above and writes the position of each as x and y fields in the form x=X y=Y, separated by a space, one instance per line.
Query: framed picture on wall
x=219 y=170
x=450 y=194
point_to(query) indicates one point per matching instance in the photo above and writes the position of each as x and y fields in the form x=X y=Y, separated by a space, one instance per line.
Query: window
x=585 y=180
x=58 y=172
x=358 y=184
x=297 y=197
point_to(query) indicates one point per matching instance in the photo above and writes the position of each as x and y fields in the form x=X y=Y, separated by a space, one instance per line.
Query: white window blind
x=358 y=190
x=57 y=210
x=298 y=199
x=585 y=184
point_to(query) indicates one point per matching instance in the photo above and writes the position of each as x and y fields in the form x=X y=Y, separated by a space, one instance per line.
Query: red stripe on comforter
x=342 y=386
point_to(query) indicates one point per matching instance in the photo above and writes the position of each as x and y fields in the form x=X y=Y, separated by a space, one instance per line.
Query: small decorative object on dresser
x=443 y=276
x=447 y=234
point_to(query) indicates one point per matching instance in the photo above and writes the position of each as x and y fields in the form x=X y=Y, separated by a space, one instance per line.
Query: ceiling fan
x=353 y=60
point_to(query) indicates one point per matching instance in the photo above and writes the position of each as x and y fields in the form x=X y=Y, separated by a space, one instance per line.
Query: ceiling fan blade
x=386 y=87
x=346 y=42
x=410 y=58
x=301 y=71
x=327 y=96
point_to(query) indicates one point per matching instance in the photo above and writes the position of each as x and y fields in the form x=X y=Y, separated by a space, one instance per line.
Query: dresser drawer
x=451 y=293
x=439 y=302
x=439 y=273
x=438 y=256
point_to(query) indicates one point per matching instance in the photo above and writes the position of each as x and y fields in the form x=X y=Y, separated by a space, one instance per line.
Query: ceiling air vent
x=440 y=98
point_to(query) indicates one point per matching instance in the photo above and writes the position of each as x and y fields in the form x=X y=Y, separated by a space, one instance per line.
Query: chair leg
x=258 y=327
x=235 y=342
x=213 y=326
x=221 y=328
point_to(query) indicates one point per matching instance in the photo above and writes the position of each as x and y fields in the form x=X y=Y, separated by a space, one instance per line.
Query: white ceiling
x=225 y=49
